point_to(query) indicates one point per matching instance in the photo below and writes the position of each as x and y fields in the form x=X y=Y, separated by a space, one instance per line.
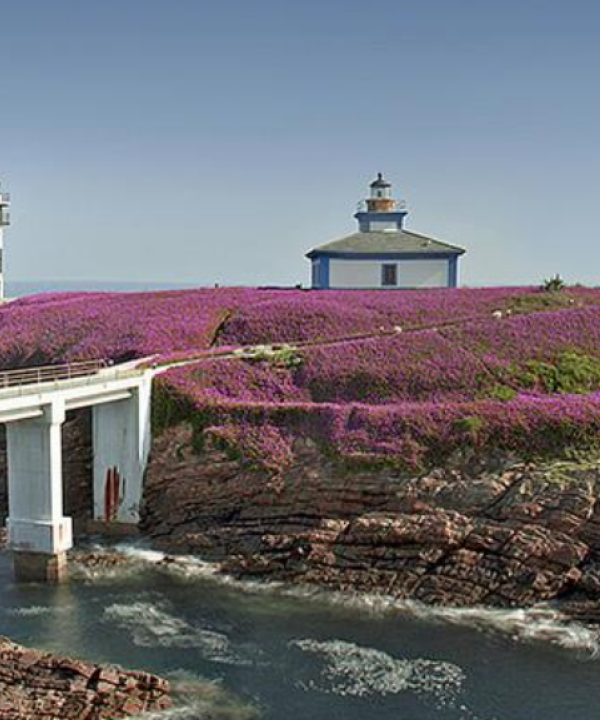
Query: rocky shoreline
x=492 y=531
x=41 y=686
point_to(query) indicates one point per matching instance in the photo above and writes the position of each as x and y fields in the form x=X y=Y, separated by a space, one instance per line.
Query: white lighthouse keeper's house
x=4 y=221
x=382 y=254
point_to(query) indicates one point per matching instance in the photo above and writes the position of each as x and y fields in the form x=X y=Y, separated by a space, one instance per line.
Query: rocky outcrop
x=491 y=530
x=39 y=686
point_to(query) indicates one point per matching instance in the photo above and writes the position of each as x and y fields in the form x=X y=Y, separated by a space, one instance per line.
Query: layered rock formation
x=492 y=531
x=40 y=686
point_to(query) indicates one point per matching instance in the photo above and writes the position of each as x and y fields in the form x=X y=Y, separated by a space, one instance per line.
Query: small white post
x=4 y=221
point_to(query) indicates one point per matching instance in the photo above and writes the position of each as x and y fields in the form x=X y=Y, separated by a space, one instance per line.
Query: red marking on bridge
x=112 y=491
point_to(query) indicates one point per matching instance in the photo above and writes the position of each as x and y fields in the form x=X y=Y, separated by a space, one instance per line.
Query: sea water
x=250 y=650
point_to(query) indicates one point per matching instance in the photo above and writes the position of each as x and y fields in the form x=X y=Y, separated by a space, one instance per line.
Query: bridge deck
x=24 y=392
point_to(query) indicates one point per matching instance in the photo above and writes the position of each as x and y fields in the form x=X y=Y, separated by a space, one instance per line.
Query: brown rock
x=493 y=530
x=39 y=686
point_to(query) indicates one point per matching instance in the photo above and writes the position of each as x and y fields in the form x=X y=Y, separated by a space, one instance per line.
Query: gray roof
x=391 y=241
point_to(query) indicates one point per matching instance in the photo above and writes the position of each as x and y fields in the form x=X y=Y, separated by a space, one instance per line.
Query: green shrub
x=167 y=408
x=554 y=284
x=280 y=356
x=501 y=392
x=571 y=372
x=469 y=425
x=542 y=301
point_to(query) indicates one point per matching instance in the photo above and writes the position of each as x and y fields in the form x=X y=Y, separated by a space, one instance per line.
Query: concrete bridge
x=33 y=404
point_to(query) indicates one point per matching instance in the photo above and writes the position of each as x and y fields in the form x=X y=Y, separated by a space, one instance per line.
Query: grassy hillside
x=403 y=377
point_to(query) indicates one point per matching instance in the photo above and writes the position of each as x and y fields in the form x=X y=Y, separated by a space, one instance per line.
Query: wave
x=152 y=624
x=538 y=624
x=541 y=623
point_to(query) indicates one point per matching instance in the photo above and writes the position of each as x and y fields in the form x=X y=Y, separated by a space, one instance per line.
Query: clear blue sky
x=219 y=141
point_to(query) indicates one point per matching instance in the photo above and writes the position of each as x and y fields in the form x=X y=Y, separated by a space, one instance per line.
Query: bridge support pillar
x=121 y=436
x=38 y=533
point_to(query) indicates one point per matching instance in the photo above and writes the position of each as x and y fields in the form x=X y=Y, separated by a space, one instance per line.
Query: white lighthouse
x=4 y=221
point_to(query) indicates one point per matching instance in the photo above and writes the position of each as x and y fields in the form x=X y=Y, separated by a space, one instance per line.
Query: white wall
x=423 y=273
x=382 y=225
x=367 y=273
x=354 y=274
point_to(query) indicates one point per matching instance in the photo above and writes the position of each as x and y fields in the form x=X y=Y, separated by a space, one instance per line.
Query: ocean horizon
x=21 y=288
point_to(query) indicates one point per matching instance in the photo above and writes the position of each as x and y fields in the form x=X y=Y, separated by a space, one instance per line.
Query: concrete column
x=121 y=436
x=38 y=533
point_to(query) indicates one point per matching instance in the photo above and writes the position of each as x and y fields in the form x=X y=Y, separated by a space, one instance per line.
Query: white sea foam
x=542 y=623
x=144 y=554
x=537 y=624
x=32 y=611
x=360 y=671
x=153 y=625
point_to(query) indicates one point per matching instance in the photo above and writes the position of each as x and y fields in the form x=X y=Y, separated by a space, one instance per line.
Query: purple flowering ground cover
x=60 y=327
x=535 y=336
x=376 y=375
x=412 y=435
x=409 y=396
x=412 y=366
x=64 y=327
x=301 y=316
x=477 y=360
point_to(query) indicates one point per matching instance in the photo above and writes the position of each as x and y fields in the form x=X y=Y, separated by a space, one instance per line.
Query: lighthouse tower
x=4 y=221
x=381 y=211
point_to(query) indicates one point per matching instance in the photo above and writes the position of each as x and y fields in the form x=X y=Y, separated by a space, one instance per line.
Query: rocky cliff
x=41 y=686
x=491 y=530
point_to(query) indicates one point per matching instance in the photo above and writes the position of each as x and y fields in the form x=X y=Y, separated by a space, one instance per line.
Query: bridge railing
x=50 y=373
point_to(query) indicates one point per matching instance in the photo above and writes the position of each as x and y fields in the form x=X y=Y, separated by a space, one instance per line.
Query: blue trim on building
x=319 y=273
x=453 y=272
x=384 y=256
x=324 y=274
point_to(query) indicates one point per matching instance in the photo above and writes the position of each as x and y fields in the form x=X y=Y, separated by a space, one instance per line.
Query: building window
x=389 y=275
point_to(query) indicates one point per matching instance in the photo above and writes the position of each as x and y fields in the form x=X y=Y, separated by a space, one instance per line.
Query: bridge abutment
x=38 y=532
